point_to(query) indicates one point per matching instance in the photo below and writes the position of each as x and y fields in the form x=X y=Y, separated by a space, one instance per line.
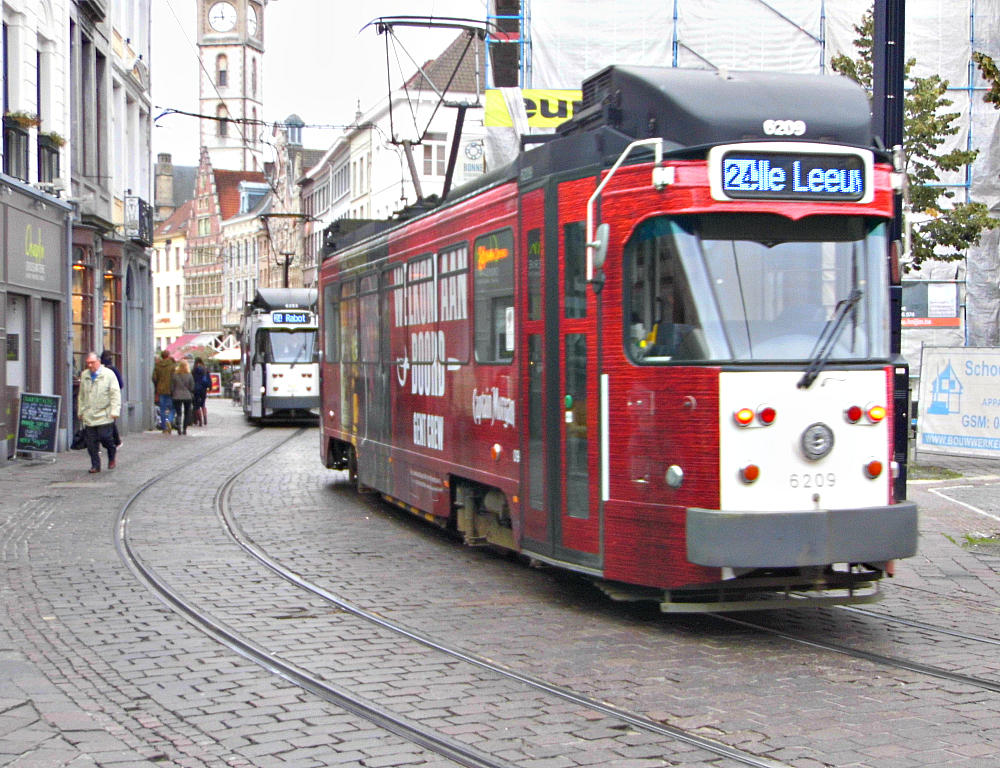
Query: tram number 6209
x=812 y=480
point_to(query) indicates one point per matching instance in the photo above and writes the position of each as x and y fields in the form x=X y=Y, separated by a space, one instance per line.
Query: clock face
x=222 y=17
x=251 y=21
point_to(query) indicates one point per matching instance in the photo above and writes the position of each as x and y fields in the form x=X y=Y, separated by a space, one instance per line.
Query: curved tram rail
x=879 y=658
x=343 y=698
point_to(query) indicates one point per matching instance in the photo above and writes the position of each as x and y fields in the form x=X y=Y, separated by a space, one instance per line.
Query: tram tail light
x=872 y=413
x=873 y=468
x=765 y=416
x=749 y=473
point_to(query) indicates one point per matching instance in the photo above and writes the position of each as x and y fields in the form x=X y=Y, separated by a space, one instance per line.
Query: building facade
x=111 y=186
x=169 y=258
x=34 y=221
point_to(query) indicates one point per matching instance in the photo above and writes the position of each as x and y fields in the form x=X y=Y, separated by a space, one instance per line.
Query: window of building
x=434 y=154
x=493 y=259
x=222 y=121
x=221 y=70
x=112 y=308
x=83 y=302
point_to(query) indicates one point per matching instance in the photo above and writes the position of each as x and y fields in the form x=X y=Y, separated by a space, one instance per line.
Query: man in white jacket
x=98 y=404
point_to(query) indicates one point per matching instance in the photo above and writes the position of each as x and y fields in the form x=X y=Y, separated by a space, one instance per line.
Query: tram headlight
x=744 y=416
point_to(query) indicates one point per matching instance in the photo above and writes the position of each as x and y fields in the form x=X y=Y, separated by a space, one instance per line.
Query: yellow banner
x=546 y=108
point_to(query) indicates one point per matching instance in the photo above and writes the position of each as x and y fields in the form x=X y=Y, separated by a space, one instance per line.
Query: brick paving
x=95 y=671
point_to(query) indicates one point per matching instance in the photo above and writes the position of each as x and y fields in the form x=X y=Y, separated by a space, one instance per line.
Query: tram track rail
x=343 y=698
x=894 y=662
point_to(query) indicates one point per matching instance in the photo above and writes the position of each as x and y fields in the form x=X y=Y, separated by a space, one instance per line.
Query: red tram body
x=643 y=405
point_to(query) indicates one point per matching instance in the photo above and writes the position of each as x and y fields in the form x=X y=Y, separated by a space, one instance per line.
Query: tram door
x=559 y=448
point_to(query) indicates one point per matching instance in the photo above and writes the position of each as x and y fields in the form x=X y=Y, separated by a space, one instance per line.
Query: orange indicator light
x=876 y=413
x=873 y=468
x=749 y=473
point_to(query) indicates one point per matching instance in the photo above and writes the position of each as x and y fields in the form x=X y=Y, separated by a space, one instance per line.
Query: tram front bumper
x=288 y=403
x=801 y=538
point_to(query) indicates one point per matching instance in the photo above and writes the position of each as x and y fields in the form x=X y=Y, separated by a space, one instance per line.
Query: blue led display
x=289 y=318
x=788 y=176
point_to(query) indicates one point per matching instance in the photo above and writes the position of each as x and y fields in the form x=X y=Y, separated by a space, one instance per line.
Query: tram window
x=331 y=323
x=288 y=346
x=394 y=288
x=453 y=300
x=662 y=322
x=494 y=297
x=369 y=320
x=348 y=322
x=421 y=305
x=575 y=253
x=535 y=274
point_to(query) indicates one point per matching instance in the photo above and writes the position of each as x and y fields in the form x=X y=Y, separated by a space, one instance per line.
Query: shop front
x=34 y=301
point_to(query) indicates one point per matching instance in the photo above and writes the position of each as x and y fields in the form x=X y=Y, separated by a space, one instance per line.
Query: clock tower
x=230 y=90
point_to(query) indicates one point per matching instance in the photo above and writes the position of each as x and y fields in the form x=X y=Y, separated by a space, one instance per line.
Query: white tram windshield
x=756 y=287
x=280 y=346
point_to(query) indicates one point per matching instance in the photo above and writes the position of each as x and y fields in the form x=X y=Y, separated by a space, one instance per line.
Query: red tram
x=654 y=350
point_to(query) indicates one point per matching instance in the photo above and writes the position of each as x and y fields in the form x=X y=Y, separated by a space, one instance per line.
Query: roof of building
x=227 y=189
x=184 y=176
x=176 y=223
x=440 y=70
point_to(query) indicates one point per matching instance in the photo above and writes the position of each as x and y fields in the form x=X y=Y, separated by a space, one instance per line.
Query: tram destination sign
x=791 y=171
x=290 y=318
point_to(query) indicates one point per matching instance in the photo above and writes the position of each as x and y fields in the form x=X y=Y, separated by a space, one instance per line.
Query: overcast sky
x=317 y=62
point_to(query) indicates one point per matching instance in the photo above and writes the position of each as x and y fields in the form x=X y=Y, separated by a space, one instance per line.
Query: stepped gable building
x=216 y=199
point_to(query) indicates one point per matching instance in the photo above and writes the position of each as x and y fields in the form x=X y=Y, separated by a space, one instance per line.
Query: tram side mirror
x=601 y=245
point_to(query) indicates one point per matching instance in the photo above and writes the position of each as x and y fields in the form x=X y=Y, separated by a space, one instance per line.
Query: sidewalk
x=41 y=726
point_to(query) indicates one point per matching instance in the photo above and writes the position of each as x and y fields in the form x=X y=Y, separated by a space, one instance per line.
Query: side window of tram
x=331 y=323
x=369 y=330
x=662 y=323
x=493 y=257
x=349 y=322
x=575 y=252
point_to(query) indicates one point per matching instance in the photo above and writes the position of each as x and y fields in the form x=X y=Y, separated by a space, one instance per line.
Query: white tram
x=280 y=357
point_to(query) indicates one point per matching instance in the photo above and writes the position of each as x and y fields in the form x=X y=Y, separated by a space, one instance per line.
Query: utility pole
x=888 y=62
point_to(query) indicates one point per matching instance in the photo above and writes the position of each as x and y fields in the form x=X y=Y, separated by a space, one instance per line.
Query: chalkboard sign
x=37 y=423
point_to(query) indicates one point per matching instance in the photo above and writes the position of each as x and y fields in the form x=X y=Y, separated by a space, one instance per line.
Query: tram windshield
x=756 y=287
x=287 y=346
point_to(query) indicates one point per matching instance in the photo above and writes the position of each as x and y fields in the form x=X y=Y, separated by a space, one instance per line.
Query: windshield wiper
x=827 y=338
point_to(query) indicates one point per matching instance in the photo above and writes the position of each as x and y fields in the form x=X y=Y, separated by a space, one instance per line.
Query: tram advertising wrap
x=654 y=350
x=959 y=406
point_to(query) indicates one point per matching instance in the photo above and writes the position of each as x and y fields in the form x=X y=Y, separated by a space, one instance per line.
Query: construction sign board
x=959 y=405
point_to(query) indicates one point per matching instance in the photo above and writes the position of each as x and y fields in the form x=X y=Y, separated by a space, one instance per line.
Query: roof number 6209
x=784 y=127
x=812 y=480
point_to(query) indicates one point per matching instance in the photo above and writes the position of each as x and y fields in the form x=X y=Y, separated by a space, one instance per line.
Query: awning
x=190 y=341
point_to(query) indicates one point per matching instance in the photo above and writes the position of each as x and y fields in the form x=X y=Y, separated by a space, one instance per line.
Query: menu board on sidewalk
x=37 y=423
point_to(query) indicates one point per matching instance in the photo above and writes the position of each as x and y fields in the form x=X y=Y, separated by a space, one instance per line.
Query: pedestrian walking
x=182 y=392
x=202 y=383
x=98 y=404
x=108 y=362
x=163 y=372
